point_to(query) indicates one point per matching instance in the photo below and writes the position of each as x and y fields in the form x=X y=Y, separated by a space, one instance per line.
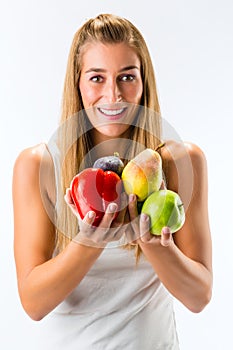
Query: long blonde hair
x=105 y=28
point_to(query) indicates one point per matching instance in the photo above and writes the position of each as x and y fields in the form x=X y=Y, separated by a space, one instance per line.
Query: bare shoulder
x=174 y=151
x=34 y=168
x=29 y=160
x=184 y=166
x=33 y=177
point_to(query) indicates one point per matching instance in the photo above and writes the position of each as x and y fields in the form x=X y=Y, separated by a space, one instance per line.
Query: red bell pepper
x=93 y=189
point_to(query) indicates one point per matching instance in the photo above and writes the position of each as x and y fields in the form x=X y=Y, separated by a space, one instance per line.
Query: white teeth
x=111 y=111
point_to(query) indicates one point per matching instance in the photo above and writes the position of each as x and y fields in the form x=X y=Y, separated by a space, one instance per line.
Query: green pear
x=164 y=208
x=143 y=174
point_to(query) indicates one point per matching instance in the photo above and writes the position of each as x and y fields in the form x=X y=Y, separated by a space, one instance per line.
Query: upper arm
x=187 y=175
x=34 y=233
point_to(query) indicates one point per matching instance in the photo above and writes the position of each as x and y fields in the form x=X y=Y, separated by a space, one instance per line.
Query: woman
x=95 y=294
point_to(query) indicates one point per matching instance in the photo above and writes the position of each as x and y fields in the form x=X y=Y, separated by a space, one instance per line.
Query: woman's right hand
x=108 y=230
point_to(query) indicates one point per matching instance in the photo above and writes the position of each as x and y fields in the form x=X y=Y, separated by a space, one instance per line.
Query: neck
x=107 y=146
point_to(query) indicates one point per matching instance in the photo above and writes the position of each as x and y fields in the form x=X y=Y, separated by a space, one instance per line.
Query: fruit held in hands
x=94 y=189
x=143 y=174
x=113 y=163
x=164 y=208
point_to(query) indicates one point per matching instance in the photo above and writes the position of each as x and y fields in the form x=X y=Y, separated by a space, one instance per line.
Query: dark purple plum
x=113 y=163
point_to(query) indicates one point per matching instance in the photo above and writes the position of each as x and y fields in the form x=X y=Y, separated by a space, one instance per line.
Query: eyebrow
x=97 y=70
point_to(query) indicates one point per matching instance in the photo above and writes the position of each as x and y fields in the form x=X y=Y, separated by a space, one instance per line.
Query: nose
x=112 y=91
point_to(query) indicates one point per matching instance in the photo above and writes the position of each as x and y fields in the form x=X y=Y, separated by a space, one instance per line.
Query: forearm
x=48 y=284
x=187 y=280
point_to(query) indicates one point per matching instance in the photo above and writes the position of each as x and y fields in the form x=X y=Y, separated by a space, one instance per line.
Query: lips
x=112 y=113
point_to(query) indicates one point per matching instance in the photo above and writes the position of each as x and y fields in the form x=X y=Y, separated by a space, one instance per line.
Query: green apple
x=164 y=208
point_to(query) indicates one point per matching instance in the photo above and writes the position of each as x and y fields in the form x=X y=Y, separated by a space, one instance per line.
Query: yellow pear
x=143 y=174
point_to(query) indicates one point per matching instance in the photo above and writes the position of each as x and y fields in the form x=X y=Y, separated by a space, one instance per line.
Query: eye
x=127 y=77
x=96 y=79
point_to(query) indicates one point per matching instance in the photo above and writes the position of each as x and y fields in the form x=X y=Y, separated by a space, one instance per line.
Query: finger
x=89 y=217
x=86 y=223
x=108 y=216
x=133 y=211
x=117 y=235
x=68 y=197
x=166 y=237
x=130 y=235
x=106 y=232
x=144 y=225
x=128 y=229
x=70 y=203
x=133 y=215
x=123 y=208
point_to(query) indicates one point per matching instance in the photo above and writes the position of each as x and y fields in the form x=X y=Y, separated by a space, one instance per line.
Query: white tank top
x=117 y=305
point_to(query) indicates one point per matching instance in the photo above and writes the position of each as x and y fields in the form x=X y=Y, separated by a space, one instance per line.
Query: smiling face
x=110 y=81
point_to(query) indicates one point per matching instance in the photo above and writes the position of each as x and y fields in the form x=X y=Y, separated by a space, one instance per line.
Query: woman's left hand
x=141 y=227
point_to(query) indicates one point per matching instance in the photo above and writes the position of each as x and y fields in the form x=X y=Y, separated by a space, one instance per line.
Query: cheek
x=134 y=93
x=87 y=94
x=139 y=94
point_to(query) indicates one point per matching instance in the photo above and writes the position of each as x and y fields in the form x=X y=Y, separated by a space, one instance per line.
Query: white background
x=191 y=46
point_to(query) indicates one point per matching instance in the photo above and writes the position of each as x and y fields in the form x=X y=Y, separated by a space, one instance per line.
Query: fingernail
x=112 y=207
x=91 y=214
x=166 y=230
x=131 y=197
x=144 y=217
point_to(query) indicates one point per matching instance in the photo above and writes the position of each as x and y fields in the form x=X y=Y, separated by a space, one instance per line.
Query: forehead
x=105 y=54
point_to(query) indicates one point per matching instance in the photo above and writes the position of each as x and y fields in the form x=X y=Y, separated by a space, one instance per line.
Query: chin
x=113 y=130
